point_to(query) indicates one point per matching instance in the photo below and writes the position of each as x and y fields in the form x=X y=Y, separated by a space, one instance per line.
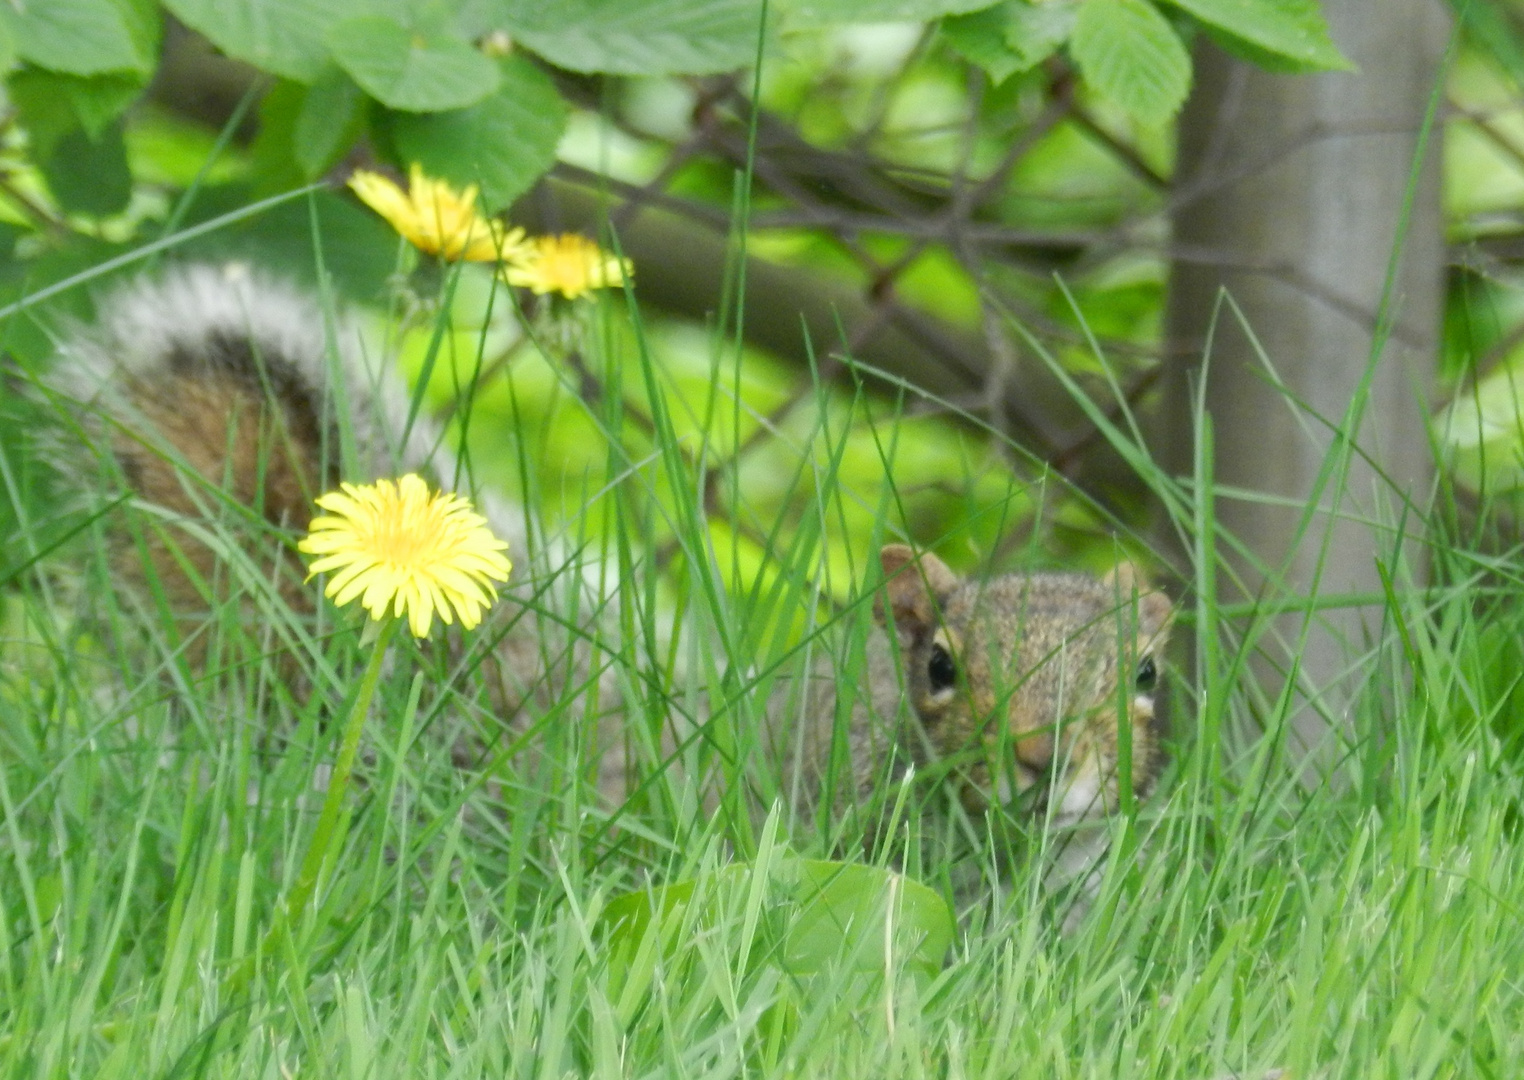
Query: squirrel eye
x=1148 y=674
x=941 y=669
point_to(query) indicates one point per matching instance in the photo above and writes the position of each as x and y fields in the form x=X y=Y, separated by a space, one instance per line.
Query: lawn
x=1358 y=912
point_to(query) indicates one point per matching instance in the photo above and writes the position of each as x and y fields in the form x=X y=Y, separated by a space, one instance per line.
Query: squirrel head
x=1028 y=681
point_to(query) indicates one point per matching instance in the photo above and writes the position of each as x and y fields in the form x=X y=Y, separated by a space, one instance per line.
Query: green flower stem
x=325 y=835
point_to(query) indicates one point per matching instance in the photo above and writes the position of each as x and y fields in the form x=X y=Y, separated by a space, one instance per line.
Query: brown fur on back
x=211 y=440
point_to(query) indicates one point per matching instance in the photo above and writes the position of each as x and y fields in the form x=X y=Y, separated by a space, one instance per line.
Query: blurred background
x=1012 y=280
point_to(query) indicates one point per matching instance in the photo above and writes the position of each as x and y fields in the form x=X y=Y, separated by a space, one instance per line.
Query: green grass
x=156 y=814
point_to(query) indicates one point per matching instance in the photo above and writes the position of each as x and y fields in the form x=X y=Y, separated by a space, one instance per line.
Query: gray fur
x=142 y=324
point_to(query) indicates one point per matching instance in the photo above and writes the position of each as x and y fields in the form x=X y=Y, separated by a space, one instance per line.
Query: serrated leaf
x=979 y=37
x=1129 y=52
x=1037 y=31
x=84 y=37
x=1260 y=58
x=412 y=70
x=639 y=37
x=285 y=37
x=1293 y=30
x=826 y=12
x=504 y=144
x=1012 y=36
x=328 y=123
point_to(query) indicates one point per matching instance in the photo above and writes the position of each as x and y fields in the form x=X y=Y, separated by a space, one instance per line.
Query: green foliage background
x=489 y=92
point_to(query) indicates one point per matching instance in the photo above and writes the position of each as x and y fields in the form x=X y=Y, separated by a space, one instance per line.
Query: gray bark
x=1290 y=196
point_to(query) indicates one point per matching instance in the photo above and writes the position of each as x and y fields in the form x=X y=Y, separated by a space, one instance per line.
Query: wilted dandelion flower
x=436 y=218
x=569 y=264
x=403 y=549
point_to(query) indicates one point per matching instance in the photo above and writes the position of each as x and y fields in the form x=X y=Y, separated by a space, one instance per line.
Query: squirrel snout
x=1072 y=764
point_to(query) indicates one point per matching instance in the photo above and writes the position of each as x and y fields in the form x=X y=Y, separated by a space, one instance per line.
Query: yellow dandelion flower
x=402 y=548
x=569 y=264
x=436 y=218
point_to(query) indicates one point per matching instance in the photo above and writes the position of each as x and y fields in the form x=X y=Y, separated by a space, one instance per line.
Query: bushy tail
x=214 y=394
x=221 y=403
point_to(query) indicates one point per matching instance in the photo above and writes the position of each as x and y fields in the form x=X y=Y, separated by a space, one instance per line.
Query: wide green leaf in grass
x=1285 y=34
x=503 y=143
x=639 y=37
x=418 y=70
x=285 y=37
x=1129 y=52
x=85 y=37
x=818 y=916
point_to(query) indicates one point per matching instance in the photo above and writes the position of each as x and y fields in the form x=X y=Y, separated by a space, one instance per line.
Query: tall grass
x=155 y=812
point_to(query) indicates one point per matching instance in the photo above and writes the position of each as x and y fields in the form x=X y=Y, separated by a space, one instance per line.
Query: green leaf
x=504 y=144
x=843 y=907
x=1490 y=28
x=1129 y=52
x=979 y=37
x=1293 y=31
x=44 y=111
x=90 y=175
x=1037 y=31
x=84 y=37
x=98 y=100
x=8 y=47
x=329 y=121
x=639 y=37
x=358 y=249
x=52 y=104
x=413 y=70
x=827 y=914
x=273 y=152
x=825 y=12
x=1012 y=36
x=1483 y=433
x=285 y=37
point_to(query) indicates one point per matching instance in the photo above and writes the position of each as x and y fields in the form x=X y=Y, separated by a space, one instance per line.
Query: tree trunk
x=1290 y=195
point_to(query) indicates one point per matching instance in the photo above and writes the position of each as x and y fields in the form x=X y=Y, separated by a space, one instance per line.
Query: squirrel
x=203 y=390
x=212 y=395
x=215 y=389
x=1013 y=683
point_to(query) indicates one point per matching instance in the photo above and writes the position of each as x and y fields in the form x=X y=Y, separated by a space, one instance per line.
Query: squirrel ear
x=914 y=588
x=1155 y=612
x=1126 y=577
